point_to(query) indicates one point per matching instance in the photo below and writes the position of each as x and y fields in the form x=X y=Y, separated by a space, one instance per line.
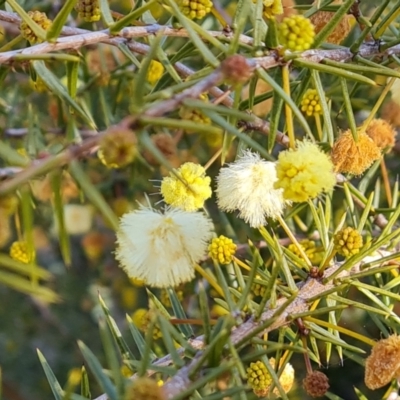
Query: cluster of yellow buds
x=117 y=148
x=164 y=297
x=310 y=103
x=222 y=249
x=145 y=388
x=296 y=33
x=271 y=8
x=41 y=19
x=195 y=9
x=142 y=318
x=195 y=115
x=348 y=242
x=260 y=380
x=19 y=252
x=155 y=71
x=88 y=10
x=258 y=289
x=313 y=252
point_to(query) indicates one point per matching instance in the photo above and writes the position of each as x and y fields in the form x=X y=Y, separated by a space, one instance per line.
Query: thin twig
x=311 y=288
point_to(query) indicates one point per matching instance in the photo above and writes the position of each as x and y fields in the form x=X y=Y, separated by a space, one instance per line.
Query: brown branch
x=310 y=289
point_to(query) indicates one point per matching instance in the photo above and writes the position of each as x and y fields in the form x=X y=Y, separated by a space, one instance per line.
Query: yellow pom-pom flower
x=271 y=8
x=8 y=204
x=258 y=289
x=310 y=104
x=142 y=318
x=41 y=19
x=19 y=252
x=348 y=241
x=260 y=380
x=88 y=10
x=222 y=249
x=296 y=33
x=305 y=172
x=155 y=71
x=187 y=187
x=195 y=9
x=117 y=148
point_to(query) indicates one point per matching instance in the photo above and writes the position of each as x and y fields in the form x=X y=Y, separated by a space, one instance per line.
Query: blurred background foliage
x=35 y=123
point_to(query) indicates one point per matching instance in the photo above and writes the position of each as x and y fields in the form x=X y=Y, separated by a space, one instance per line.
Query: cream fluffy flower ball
x=162 y=248
x=247 y=185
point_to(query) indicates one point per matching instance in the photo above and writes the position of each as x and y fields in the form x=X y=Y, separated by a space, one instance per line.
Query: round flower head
x=310 y=103
x=354 y=157
x=222 y=249
x=247 y=185
x=155 y=71
x=162 y=248
x=187 y=187
x=19 y=251
x=260 y=380
x=384 y=363
x=296 y=33
x=41 y=19
x=304 y=173
x=195 y=9
x=382 y=133
x=348 y=242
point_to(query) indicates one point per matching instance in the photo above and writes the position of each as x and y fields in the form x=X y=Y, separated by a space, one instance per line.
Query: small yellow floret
x=296 y=33
x=142 y=318
x=271 y=8
x=195 y=9
x=41 y=19
x=19 y=252
x=304 y=173
x=194 y=114
x=348 y=241
x=88 y=10
x=260 y=380
x=310 y=104
x=222 y=249
x=155 y=71
x=187 y=187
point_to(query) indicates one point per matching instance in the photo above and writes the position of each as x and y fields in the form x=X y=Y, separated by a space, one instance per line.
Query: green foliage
x=289 y=293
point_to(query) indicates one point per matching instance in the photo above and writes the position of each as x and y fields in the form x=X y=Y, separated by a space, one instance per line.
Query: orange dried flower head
x=382 y=133
x=391 y=113
x=316 y=384
x=236 y=69
x=321 y=18
x=384 y=363
x=165 y=143
x=353 y=157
